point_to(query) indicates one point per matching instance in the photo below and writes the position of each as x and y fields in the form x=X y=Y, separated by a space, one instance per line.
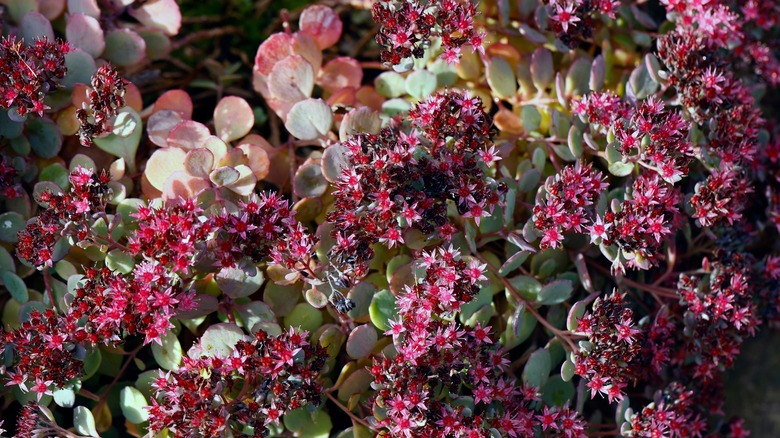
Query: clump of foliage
x=400 y=218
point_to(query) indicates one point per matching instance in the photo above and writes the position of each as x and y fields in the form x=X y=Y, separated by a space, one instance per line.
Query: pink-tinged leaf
x=199 y=162
x=291 y=80
x=309 y=181
x=217 y=147
x=188 y=134
x=85 y=33
x=162 y=164
x=182 y=185
x=233 y=118
x=334 y=161
x=361 y=341
x=322 y=24
x=368 y=96
x=35 y=25
x=340 y=72
x=161 y=14
x=246 y=182
x=224 y=176
x=361 y=119
x=51 y=9
x=304 y=45
x=277 y=47
x=234 y=157
x=86 y=7
x=176 y=100
x=160 y=124
x=133 y=98
x=343 y=96
x=257 y=159
x=80 y=96
x=309 y=119
x=124 y=47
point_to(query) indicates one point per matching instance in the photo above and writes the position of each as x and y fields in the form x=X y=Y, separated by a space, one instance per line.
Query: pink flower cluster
x=651 y=134
x=436 y=352
x=406 y=28
x=721 y=198
x=567 y=203
x=398 y=179
x=106 y=98
x=254 y=386
x=573 y=20
x=66 y=215
x=29 y=72
x=609 y=359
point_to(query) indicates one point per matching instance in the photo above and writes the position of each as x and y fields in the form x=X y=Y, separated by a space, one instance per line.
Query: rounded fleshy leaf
x=253 y=313
x=124 y=47
x=180 y=184
x=316 y=298
x=174 y=100
x=45 y=137
x=81 y=66
x=218 y=341
x=162 y=164
x=124 y=138
x=334 y=161
x=160 y=124
x=383 y=309
x=308 y=425
x=224 y=176
x=168 y=354
x=304 y=45
x=86 y=7
x=275 y=48
x=51 y=9
x=390 y=84
x=359 y=120
x=501 y=78
x=233 y=118
x=356 y=383
x=257 y=159
x=217 y=147
x=160 y=14
x=309 y=181
x=235 y=283
x=246 y=182
x=322 y=24
x=188 y=134
x=133 y=405
x=339 y=73
x=158 y=45
x=85 y=33
x=291 y=80
x=199 y=162
x=361 y=341
x=305 y=316
x=84 y=422
x=15 y=286
x=537 y=368
x=35 y=25
x=542 y=68
x=309 y=119
x=420 y=84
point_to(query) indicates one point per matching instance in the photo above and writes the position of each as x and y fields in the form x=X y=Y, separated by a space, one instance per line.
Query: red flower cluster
x=66 y=215
x=406 y=28
x=254 y=386
x=43 y=353
x=398 y=180
x=573 y=20
x=721 y=197
x=172 y=235
x=567 y=202
x=109 y=307
x=36 y=421
x=672 y=414
x=435 y=352
x=263 y=227
x=609 y=359
x=105 y=98
x=644 y=221
x=719 y=314
x=29 y=72
x=654 y=136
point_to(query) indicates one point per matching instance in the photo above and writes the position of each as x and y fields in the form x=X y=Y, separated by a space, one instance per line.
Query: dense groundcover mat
x=424 y=218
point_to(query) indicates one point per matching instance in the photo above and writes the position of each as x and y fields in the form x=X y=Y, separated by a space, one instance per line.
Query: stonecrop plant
x=422 y=218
